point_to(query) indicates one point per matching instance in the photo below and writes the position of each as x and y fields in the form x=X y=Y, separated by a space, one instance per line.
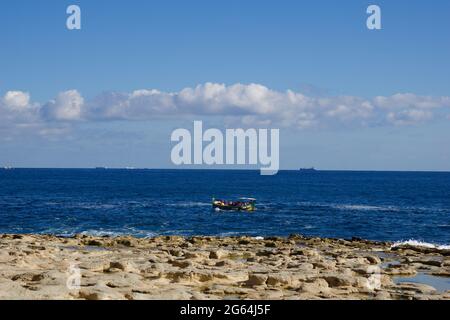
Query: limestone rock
x=279 y=279
x=316 y=286
x=256 y=280
x=338 y=280
x=37 y=267
x=217 y=254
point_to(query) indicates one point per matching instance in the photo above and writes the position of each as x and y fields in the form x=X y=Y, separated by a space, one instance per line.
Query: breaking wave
x=420 y=244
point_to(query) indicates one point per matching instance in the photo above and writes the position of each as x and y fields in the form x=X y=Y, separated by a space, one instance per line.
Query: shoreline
x=204 y=267
x=413 y=243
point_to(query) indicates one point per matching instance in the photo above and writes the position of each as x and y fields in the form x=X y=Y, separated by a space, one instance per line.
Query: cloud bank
x=251 y=105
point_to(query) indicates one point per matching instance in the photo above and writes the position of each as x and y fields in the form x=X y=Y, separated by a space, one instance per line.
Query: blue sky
x=321 y=49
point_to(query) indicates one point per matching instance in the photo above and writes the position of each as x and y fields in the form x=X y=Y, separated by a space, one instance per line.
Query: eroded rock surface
x=83 y=267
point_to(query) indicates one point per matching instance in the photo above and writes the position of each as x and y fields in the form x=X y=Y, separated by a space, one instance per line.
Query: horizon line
x=99 y=168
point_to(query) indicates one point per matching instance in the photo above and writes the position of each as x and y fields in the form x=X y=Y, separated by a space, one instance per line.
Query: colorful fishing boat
x=243 y=204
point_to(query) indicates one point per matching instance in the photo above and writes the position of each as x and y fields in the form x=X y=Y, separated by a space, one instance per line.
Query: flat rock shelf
x=173 y=267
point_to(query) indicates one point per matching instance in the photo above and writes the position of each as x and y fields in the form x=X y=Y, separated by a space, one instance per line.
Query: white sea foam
x=58 y=232
x=101 y=233
x=124 y=232
x=388 y=208
x=230 y=234
x=351 y=207
x=189 y=204
x=361 y=207
x=420 y=244
x=369 y=207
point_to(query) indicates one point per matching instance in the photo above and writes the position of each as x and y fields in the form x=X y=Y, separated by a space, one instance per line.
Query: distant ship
x=308 y=169
x=7 y=168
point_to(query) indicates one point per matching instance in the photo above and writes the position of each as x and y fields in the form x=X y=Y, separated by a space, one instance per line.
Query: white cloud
x=68 y=105
x=409 y=100
x=19 y=116
x=407 y=117
x=251 y=104
x=16 y=108
x=16 y=100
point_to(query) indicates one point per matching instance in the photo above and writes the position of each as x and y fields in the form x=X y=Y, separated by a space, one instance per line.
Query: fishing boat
x=243 y=204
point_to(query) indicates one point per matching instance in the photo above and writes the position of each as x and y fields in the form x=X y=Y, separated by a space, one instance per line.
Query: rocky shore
x=85 y=267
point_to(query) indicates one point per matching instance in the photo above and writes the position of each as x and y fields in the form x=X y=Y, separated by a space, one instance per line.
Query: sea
x=384 y=206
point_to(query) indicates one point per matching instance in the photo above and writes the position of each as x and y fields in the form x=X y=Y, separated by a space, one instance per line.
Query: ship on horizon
x=312 y=169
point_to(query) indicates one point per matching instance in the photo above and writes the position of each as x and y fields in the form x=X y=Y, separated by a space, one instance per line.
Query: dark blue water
x=372 y=205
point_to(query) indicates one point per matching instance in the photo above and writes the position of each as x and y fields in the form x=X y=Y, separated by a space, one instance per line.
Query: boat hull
x=218 y=205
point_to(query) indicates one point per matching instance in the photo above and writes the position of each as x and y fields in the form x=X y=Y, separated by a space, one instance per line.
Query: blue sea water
x=390 y=206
